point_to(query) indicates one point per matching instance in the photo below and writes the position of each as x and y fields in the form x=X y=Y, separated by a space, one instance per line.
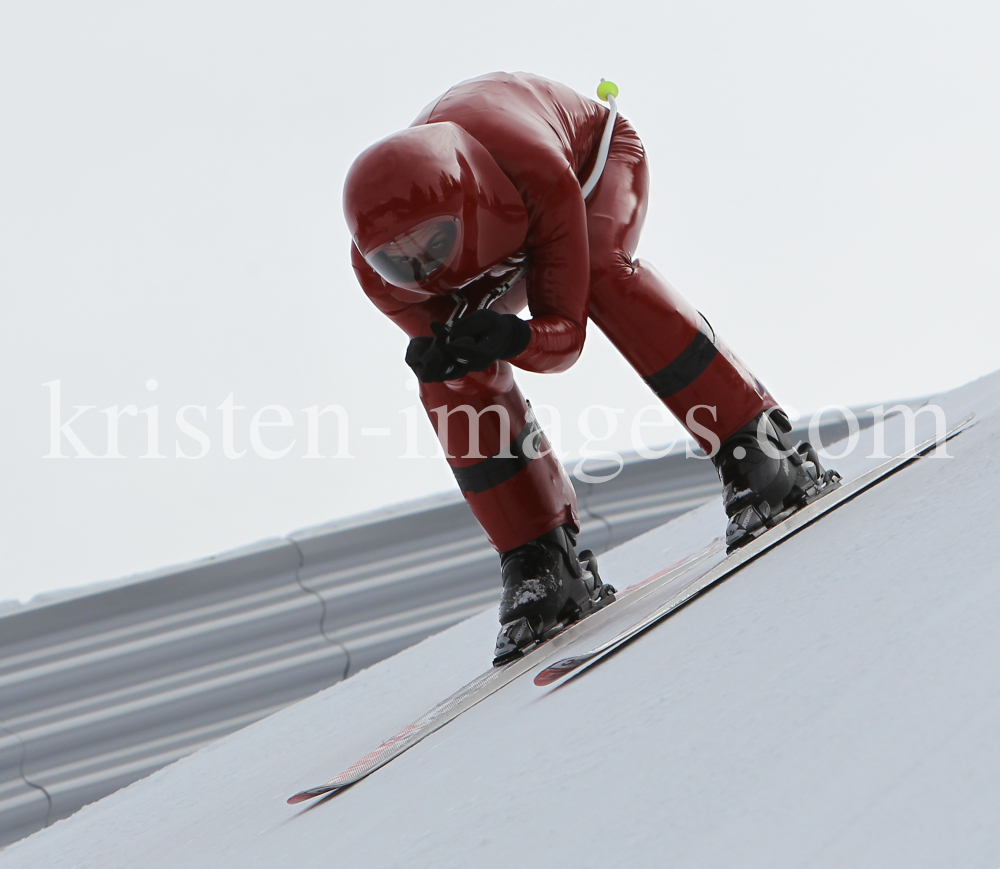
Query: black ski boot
x=546 y=586
x=766 y=478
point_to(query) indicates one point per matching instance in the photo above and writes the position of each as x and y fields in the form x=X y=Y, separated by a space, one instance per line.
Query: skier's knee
x=613 y=267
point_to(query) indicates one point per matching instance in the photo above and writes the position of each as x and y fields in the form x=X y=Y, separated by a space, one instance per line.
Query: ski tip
x=302 y=796
x=556 y=671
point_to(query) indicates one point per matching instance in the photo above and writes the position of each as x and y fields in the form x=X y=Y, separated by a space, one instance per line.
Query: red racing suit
x=579 y=259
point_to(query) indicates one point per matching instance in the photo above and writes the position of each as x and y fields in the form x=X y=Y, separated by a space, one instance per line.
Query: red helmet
x=430 y=209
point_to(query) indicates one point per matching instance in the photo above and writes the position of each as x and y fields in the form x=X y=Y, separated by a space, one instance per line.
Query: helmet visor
x=413 y=257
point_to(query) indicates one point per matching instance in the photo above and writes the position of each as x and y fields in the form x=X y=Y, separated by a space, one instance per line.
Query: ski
x=719 y=566
x=741 y=557
x=496 y=677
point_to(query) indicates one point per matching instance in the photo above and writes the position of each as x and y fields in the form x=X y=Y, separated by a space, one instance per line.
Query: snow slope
x=836 y=703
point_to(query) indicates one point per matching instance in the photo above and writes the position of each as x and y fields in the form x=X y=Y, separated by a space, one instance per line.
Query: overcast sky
x=825 y=187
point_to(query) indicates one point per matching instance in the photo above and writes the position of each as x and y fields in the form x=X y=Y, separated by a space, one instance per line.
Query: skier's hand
x=430 y=359
x=483 y=337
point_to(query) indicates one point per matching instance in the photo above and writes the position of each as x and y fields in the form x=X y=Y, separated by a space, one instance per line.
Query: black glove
x=482 y=337
x=430 y=358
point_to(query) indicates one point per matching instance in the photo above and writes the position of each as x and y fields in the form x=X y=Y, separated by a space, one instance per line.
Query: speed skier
x=498 y=197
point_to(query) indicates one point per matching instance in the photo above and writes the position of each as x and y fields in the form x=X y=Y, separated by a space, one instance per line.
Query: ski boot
x=766 y=478
x=546 y=586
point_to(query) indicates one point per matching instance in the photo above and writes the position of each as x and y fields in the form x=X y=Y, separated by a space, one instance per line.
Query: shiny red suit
x=543 y=137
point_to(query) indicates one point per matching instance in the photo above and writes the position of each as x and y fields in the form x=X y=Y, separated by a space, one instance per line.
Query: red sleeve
x=558 y=277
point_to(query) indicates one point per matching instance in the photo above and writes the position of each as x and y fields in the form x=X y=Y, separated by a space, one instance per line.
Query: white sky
x=825 y=188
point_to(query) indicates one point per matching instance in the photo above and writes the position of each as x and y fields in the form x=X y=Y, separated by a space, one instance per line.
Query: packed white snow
x=835 y=703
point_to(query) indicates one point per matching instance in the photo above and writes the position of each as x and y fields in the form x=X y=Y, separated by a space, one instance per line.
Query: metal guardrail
x=106 y=686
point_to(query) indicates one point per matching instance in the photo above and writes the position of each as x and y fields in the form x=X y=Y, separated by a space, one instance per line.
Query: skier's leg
x=672 y=346
x=663 y=337
x=503 y=464
x=520 y=494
